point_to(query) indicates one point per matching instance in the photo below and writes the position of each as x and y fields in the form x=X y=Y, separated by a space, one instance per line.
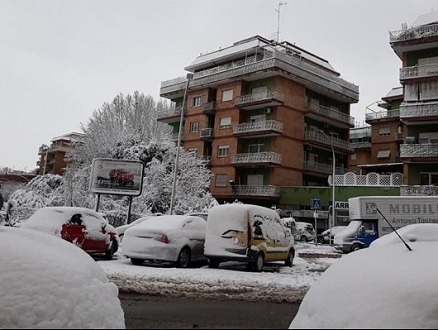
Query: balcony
x=418 y=110
x=171 y=115
x=266 y=158
x=175 y=137
x=382 y=115
x=206 y=134
x=322 y=168
x=209 y=108
x=261 y=191
x=173 y=88
x=329 y=115
x=320 y=138
x=360 y=145
x=419 y=150
x=260 y=128
x=275 y=60
x=419 y=32
x=269 y=98
x=418 y=71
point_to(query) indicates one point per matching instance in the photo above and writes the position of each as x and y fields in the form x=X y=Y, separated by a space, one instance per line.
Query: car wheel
x=110 y=250
x=356 y=247
x=183 y=258
x=321 y=240
x=290 y=258
x=137 y=262
x=303 y=238
x=257 y=266
x=213 y=263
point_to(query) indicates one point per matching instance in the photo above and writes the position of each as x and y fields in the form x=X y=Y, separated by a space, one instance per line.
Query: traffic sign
x=315 y=204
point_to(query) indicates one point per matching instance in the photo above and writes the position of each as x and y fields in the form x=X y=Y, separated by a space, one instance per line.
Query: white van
x=305 y=232
x=247 y=233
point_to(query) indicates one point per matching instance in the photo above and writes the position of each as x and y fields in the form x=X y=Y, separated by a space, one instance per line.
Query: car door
x=194 y=229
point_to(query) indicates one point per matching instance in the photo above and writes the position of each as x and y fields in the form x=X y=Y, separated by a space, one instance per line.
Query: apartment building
x=263 y=115
x=54 y=159
x=404 y=133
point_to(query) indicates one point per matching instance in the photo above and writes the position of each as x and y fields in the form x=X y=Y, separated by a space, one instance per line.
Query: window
x=383 y=153
x=223 y=151
x=225 y=122
x=194 y=126
x=254 y=179
x=227 y=95
x=254 y=148
x=353 y=156
x=257 y=118
x=384 y=131
x=221 y=180
x=197 y=101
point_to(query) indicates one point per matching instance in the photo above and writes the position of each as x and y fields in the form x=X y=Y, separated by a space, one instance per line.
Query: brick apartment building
x=54 y=158
x=263 y=115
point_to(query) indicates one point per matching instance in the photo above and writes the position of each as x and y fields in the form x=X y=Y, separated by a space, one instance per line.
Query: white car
x=385 y=286
x=323 y=238
x=176 y=239
x=48 y=283
x=410 y=233
x=121 y=229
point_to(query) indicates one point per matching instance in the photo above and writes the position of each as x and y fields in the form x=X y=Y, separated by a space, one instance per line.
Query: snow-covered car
x=203 y=215
x=410 y=233
x=83 y=227
x=176 y=239
x=304 y=232
x=378 y=287
x=48 y=283
x=323 y=238
x=121 y=229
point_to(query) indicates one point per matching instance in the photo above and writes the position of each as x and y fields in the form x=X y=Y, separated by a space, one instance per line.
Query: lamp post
x=175 y=169
x=333 y=187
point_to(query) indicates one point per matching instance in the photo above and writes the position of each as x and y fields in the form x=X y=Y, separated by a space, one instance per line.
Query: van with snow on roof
x=247 y=233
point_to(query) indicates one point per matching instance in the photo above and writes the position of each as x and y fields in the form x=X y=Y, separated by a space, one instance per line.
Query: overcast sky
x=61 y=60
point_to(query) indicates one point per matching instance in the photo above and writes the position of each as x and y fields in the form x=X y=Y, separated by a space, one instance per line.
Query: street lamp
x=333 y=187
x=175 y=169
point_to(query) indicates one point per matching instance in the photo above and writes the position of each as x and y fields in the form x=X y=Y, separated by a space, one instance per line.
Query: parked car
x=323 y=238
x=381 y=279
x=51 y=284
x=121 y=229
x=304 y=232
x=247 y=233
x=83 y=227
x=176 y=239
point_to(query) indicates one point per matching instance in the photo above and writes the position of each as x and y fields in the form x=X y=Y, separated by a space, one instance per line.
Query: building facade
x=263 y=115
x=54 y=159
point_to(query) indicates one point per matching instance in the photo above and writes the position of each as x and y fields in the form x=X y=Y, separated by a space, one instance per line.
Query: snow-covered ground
x=277 y=283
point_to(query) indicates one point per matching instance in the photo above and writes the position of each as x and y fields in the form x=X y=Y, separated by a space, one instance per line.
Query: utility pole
x=278 y=18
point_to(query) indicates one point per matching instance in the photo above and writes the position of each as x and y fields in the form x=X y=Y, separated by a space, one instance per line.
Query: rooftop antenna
x=278 y=18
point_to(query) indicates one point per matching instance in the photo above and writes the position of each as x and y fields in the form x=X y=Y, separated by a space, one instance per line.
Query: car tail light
x=163 y=239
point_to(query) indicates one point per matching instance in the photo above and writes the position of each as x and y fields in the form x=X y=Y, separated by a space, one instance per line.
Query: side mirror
x=288 y=232
x=361 y=229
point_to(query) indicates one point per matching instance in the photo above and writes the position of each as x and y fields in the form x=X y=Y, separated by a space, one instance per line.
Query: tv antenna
x=278 y=18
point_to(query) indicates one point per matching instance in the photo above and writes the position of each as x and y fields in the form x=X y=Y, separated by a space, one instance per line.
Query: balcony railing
x=206 y=160
x=308 y=73
x=419 y=190
x=414 y=33
x=257 y=157
x=328 y=112
x=169 y=112
x=360 y=145
x=261 y=97
x=395 y=113
x=419 y=150
x=419 y=71
x=258 y=126
x=319 y=137
x=322 y=167
x=412 y=110
x=206 y=133
x=370 y=179
x=209 y=107
x=263 y=191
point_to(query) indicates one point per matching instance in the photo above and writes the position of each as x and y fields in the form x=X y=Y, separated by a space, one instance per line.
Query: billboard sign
x=116 y=177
